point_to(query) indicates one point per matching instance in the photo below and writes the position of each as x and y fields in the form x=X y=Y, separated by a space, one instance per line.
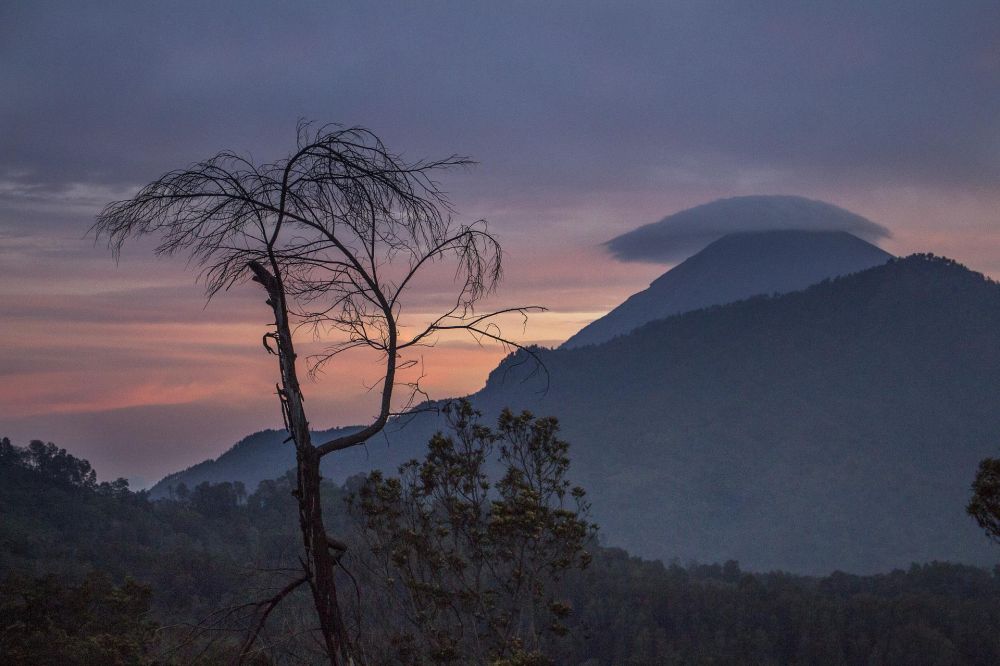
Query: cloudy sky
x=587 y=120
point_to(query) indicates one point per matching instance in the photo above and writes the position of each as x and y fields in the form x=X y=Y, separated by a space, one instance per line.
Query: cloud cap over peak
x=680 y=235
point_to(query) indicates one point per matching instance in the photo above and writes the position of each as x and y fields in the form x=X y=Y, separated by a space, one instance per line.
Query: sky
x=586 y=119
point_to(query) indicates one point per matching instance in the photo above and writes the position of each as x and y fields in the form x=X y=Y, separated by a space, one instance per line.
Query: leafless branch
x=336 y=233
x=265 y=607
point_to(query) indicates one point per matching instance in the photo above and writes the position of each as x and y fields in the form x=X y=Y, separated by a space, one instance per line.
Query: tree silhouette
x=985 y=503
x=468 y=557
x=335 y=234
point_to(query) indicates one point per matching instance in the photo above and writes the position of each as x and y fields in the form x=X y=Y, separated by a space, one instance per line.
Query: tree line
x=100 y=577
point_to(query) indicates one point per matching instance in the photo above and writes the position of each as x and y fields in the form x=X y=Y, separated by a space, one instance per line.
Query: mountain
x=735 y=267
x=681 y=234
x=258 y=457
x=837 y=427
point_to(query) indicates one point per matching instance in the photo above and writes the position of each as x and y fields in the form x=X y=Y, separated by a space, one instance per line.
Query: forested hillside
x=199 y=559
x=834 y=428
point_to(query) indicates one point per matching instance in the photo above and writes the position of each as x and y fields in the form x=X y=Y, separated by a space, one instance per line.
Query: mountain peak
x=737 y=266
x=681 y=234
x=834 y=427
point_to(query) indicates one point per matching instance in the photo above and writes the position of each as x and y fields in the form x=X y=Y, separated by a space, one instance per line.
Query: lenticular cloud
x=680 y=235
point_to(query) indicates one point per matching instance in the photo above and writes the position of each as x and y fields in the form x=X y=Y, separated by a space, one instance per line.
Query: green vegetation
x=45 y=621
x=985 y=503
x=465 y=570
x=93 y=569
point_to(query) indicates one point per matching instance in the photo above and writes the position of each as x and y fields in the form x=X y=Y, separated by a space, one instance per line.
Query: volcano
x=735 y=267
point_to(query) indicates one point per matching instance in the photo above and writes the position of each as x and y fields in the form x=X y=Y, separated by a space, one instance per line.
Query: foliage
x=52 y=525
x=639 y=612
x=467 y=566
x=625 y=610
x=44 y=621
x=57 y=465
x=985 y=503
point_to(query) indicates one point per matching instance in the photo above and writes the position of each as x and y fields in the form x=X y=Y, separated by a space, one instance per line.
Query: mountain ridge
x=836 y=427
x=732 y=268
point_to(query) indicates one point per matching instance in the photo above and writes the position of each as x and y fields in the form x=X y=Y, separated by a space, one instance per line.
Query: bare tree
x=335 y=234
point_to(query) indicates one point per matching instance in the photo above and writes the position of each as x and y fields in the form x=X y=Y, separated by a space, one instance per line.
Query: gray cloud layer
x=548 y=95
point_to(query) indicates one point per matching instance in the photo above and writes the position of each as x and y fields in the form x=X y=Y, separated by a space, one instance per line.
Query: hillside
x=56 y=521
x=251 y=460
x=837 y=427
x=733 y=268
x=201 y=554
x=834 y=428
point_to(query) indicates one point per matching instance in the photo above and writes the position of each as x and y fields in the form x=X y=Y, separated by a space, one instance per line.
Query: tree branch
x=268 y=605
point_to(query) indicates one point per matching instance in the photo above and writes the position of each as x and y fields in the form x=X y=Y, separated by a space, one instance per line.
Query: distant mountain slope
x=735 y=267
x=834 y=428
x=267 y=455
x=838 y=427
x=255 y=458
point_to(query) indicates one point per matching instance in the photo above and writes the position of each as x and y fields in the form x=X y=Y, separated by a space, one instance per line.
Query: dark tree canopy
x=467 y=546
x=45 y=621
x=624 y=610
x=985 y=503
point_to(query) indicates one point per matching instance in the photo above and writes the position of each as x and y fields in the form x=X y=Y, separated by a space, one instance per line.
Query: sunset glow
x=580 y=135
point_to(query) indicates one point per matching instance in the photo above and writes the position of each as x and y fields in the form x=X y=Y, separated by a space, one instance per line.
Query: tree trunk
x=318 y=560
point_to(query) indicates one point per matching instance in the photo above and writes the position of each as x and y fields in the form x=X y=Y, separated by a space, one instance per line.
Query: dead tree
x=335 y=235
